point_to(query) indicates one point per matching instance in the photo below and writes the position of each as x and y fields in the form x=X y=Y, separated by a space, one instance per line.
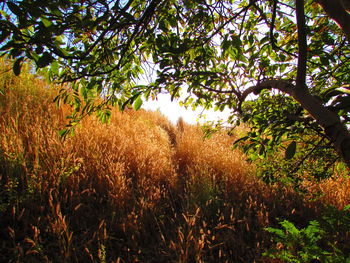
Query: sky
x=174 y=111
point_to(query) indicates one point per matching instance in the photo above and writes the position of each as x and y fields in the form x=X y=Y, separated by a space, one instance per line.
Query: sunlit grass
x=138 y=189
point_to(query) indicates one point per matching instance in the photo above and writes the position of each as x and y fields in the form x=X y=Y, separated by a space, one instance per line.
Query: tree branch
x=272 y=38
x=281 y=85
x=336 y=9
x=219 y=91
x=271 y=26
x=251 y=3
x=302 y=45
x=297 y=167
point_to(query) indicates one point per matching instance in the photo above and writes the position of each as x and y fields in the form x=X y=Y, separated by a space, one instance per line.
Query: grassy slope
x=136 y=190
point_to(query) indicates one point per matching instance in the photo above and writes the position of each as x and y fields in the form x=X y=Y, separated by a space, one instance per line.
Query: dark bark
x=302 y=45
x=330 y=122
x=336 y=132
x=337 y=10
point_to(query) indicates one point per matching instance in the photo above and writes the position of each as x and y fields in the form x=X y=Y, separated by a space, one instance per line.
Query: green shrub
x=319 y=241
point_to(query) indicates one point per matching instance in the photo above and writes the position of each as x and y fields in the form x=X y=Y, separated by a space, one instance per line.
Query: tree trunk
x=337 y=10
x=336 y=132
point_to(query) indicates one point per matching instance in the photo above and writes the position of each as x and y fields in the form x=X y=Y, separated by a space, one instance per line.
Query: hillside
x=137 y=189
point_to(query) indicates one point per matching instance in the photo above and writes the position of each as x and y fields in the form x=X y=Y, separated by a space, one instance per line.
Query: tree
x=223 y=53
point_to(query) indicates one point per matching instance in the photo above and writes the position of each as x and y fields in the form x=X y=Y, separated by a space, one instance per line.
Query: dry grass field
x=137 y=189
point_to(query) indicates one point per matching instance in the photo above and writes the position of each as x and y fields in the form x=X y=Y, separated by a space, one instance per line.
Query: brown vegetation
x=138 y=189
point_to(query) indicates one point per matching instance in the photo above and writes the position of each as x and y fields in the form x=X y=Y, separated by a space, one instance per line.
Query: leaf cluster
x=215 y=52
x=313 y=243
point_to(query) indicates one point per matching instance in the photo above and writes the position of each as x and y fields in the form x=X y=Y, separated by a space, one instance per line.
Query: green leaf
x=44 y=60
x=344 y=90
x=4 y=35
x=54 y=68
x=104 y=115
x=14 y=8
x=15 y=52
x=290 y=227
x=63 y=133
x=138 y=103
x=346 y=208
x=39 y=50
x=46 y=22
x=236 y=41
x=290 y=151
x=324 y=61
x=17 y=66
x=275 y=231
x=62 y=52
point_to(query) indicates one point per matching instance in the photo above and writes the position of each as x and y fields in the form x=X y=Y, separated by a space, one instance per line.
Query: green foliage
x=284 y=141
x=291 y=149
x=215 y=52
x=298 y=245
x=17 y=66
x=270 y=123
x=315 y=242
x=10 y=186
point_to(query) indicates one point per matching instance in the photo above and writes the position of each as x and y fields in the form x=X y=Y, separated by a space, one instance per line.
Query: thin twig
x=297 y=167
x=272 y=38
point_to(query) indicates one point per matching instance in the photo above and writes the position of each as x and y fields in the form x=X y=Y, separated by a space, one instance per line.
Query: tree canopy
x=281 y=65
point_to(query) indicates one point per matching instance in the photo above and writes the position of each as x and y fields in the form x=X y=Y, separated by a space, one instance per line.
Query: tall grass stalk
x=138 y=189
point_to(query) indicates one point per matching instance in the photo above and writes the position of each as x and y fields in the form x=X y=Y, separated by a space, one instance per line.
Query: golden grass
x=332 y=191
x=138 y=189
